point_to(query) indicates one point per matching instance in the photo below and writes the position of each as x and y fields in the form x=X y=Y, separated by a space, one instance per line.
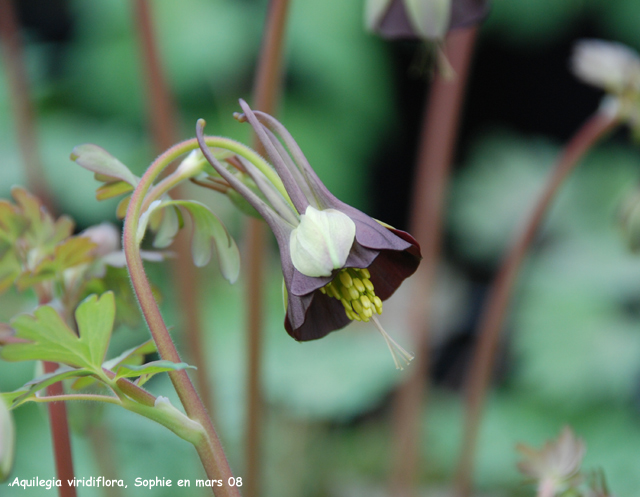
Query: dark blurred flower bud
x=424 y=19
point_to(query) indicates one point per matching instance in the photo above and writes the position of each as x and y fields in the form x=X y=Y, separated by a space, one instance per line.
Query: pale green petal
x=429 y=17
x=322 y=241
x=374 y=10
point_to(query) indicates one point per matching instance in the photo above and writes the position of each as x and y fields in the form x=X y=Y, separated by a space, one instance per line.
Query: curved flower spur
x=338 y=263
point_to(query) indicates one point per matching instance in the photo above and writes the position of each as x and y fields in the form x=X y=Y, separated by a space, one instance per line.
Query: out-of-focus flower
x=425 y=19
x=338 y=263
x=556 y=466
x=611 y=66
x=106 y=237
x=7 y=441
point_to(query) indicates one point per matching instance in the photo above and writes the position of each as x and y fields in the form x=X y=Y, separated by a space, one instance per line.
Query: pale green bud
x=7 y=441
x=321 y=242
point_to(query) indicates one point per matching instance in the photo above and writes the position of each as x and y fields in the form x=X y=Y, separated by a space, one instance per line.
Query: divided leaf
x=208 y=231
x=72 y=252
x=133 y=356
x=41 y=382
x=50 y=339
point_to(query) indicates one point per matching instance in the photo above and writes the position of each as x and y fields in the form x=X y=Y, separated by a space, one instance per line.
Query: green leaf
x=123 y=205
x=133 y=356
x=95 y=319
x=41 y=382
x=208 y=230
x=42 y=232
x=150 y=368
x=70 y=253
x=12 y=223
x=50 y=339
x=113 y=189
x=100 y=161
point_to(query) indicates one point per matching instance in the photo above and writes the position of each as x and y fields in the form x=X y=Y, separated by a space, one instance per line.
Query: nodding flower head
x=424 y=19
x=339 y=264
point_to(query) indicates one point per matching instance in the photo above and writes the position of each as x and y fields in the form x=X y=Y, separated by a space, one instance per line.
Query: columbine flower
x=338 y=263
x=426 y=19
x=611 y=66
x=556 y=465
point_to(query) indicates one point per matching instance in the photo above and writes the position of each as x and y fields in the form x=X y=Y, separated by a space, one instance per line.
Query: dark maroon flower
x=338 y=263
x=425 y=19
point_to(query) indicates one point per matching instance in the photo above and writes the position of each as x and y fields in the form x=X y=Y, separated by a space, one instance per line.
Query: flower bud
x=106 y=236
x=424 y=19
x=611 y=66
x=7 y=441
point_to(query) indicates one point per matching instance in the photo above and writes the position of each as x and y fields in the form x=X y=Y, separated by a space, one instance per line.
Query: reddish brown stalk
x=162 y=122
x=266 y=91
x=60 y=435
x=494 y=313
x=13 y=56
x=437 y=143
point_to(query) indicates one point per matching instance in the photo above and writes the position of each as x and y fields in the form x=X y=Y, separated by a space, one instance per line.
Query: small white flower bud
x=105 y=235
x=611 y=66
x=7 y=441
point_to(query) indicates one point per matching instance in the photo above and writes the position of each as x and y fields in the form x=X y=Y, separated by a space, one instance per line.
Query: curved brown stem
x=493 y=316
x=265 y=95
x=23 y=111
x=438 y=138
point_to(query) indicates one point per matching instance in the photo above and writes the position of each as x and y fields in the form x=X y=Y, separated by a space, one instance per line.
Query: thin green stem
x=494 y=312
x=209 y=448
x=185 y=428
x=238 y=148
x=76 y=396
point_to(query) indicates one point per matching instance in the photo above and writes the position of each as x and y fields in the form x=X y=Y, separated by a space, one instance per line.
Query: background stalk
x=494 y=312
x=18 y=82
x=265 y=96
x=437 y=144
x=60 y=435
x=162 y=119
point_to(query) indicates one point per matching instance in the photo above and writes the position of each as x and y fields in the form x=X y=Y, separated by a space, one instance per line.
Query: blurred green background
x=572 y=352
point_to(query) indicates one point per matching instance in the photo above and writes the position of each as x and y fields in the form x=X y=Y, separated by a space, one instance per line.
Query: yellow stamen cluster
x=354 y=289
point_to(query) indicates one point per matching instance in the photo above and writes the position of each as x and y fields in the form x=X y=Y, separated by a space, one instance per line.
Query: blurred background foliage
x=354 y=104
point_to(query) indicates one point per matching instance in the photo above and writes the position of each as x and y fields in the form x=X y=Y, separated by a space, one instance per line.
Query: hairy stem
x=209 y=448
x=493 y=316
x=438 y=139
x=266 y=91
x=185 y=274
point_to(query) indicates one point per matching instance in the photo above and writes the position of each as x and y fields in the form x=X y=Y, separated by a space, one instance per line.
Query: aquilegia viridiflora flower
x=338 y=263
